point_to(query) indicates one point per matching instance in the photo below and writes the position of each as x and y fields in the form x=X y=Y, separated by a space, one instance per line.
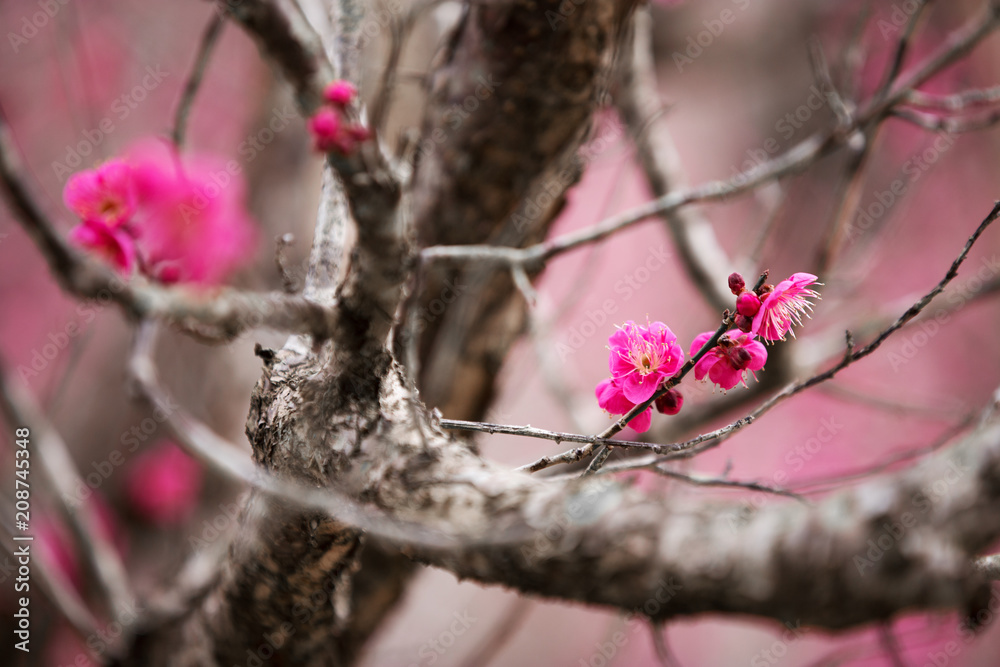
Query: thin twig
x=695 y=480
x=889 y=644
x=658 y=633
x=902 y=47
x=208 y=41
x=592 y=441
x=59 y=591
x=796 y=159
x=501 y=632
x=961 y=101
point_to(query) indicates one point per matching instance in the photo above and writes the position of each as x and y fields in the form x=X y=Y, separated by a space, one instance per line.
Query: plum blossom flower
x=612 y=399
x=340 y=93
x=784 y=306
x=726 y=364
x=642 y=357
x=105 y=195
x=163 y=484
x=191 y=223
x=331 y=132
x=112 y=244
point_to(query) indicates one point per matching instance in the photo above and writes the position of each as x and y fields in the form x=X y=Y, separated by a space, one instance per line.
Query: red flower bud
x=670 y=403
x=747 y=304
x=736 y=283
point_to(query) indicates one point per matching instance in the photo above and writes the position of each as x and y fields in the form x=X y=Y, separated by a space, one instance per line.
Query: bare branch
x=100 y=556
x=208 y=40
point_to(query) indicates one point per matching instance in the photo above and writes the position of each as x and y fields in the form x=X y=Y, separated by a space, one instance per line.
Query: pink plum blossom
x=784 y=306
x=611 y=399
x=113 y=244
x=642 y=357
x=726 y=363
x=105 y=194
x=340 y=93
x=191 y=222
x=331 y=132
x=163 y=484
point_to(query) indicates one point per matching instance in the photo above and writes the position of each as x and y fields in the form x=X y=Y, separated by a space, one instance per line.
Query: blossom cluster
x=172 y=219
x=330 y=127
x=644 y=360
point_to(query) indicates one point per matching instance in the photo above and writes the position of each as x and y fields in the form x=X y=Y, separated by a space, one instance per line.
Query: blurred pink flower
x=105 y=194
x=611 y=399
x=330 y=132
x=113 y=244
x=727 y=363
x=325 y=127
x=56 y=545
x=784 y=306
x=163 y=484
x=191 y=223
x=340 y=92
x=643 y=356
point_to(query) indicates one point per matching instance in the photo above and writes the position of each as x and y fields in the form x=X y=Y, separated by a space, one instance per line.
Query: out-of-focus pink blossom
x=113 y=244
x=56 y=545
x=340 y=92
x=191 y=222
x=784 y=306
x=163 y=484
x=643 y=356
x=612 y=399
x=105 y=194
x=331 y=132
x=727 y=363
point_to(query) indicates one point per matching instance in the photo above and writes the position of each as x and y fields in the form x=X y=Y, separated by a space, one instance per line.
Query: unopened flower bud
x=670 y=403
x=747 y=304
x=340 y=92
x=736 y=283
